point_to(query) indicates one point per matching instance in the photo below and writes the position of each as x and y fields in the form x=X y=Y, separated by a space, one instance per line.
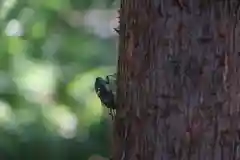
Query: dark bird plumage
x=105 y=93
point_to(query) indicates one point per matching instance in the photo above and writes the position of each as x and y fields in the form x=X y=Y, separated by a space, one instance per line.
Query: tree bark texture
x=178 y=80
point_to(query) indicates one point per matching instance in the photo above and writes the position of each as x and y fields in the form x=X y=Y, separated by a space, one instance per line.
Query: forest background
x=50 y=53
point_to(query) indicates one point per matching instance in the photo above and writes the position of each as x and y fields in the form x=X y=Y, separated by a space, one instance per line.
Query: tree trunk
x=178 y=80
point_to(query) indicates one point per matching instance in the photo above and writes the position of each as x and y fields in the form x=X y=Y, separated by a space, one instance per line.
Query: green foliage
x=49 y=59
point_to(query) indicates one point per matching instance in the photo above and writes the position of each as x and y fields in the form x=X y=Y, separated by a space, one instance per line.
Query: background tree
x=178 y=80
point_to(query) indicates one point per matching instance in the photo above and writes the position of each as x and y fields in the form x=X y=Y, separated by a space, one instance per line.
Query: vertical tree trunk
x=178 y=80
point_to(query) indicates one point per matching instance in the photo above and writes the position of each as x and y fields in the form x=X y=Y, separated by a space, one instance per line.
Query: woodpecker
x=105 y=88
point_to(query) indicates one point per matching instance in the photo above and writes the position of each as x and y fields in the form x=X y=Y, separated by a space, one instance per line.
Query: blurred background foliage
x=50 y=53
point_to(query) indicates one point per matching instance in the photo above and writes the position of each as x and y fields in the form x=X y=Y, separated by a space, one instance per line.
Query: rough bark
x=178 y=80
